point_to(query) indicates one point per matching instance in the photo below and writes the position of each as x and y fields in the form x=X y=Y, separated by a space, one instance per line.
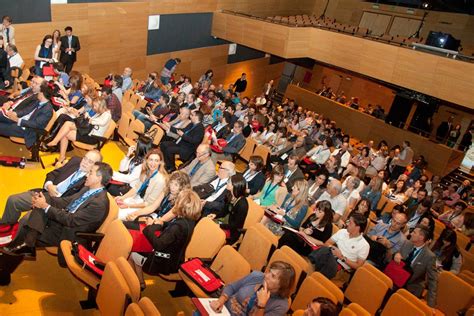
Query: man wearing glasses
x=214 y=199
x=61 y=182
x=202 y=169
x=388 y=236
x=235 y=141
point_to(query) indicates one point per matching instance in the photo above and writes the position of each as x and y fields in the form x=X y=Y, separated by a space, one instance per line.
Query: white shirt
x=338 y=203
x=352 y=248
x=219 y=184
x=345 y=158
x=16 y=60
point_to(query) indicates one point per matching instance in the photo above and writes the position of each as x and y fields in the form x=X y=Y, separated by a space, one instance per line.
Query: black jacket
x=59 y=175
x=172 y=241
x=65 y=44
x=237 y=215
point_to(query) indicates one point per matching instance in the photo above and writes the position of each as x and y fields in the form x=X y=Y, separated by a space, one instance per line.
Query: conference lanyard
x=270 y=189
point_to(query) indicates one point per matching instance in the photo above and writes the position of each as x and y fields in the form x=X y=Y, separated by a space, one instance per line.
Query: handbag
x=204 y=277
x=140 y=242
x=218 y=149
x=83 y=126
x=399 y=273
x=87 y=259
x=204 y=190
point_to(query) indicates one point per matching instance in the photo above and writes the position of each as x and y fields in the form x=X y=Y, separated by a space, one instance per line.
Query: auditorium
x=236 y=157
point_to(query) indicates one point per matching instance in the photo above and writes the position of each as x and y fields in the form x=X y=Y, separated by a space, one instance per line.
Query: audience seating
x=367 y=290
x=467 y=276
x=228 y=264
x=254 y=215
x=346 y=311
x=158 y=134
x=119 y=286
x=102 y=140
x=329 y=285
x=358 y=310
x=463 y=241
x=267 y=233
x=379 y=274
x=255 y=248
x=454 y=294
x=111 y=216
x=248 y=149
x=310 y=289
x=398 y=305
x=468 y=260
x=117 y=242
x=280 y=255
x=136 y=126
x=262 y=151
x=428 y=311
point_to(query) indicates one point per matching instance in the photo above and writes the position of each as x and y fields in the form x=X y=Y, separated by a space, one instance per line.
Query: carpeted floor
x=41 y=287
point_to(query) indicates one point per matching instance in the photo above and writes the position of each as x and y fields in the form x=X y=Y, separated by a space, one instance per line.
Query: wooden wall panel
x=408 y=68
x=441 y=159
x=268 y=7
x=181 y=6
x=404 y=26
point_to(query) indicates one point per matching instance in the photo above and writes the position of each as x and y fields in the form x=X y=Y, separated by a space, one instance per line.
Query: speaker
x=442 y=40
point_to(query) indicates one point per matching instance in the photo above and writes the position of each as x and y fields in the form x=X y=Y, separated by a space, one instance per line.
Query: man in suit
x=69 y=47
x=25 y=125
x=60 y=218
x=202 y=169
x=417 y=255
x=235 y=141
x=61 y=182
x=214 y=198
x=185 y=146
x=25 y=101
x=292 y=172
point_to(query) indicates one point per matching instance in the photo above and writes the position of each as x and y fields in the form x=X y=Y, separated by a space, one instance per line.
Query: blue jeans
x=142 y=118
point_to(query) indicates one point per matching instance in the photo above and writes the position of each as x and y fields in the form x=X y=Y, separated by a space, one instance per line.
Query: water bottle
x=22 y=163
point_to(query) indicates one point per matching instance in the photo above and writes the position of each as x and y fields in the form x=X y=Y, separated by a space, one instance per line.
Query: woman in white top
x=351 y=192
x=397 y=193
x=267 y=135
x=99 y=119
x=279 y=141
x=131 y=165
x=152 y=182
x=56 y=44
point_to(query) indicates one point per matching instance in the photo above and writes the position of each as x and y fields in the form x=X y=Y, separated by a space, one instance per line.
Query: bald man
x=202 y=169
x=127 y=79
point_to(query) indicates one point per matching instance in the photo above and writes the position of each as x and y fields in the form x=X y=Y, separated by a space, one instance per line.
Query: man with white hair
x=202 y=169
x=333 y=195
x=213 y=193
x=127 y=79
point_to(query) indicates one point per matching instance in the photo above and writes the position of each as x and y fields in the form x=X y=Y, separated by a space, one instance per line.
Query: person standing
x=168 y=70
x=7 y=30
x=241 y=84
x=69 y=47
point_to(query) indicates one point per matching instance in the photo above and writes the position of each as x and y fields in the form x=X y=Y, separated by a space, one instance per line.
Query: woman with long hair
x=397 y=192
x=254 y=175
x=43 y=54
x=173 y=240
x=373 y=192
x=236 y=208
x=274 y=189
x=317 y=229
x=97 y=125
x=292 y=211
x=152 y=182
x=448 y=256
x=56 y=44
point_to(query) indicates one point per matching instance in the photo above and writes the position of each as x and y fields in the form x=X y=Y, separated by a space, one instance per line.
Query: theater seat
x=118 y=287
x=112 y=215
x=107 y=135
x=117 y=242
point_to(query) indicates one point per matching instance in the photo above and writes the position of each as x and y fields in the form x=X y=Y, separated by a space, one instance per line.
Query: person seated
x=95 y=126
x=201 y=169
x=222 y=128
x=161 y=207
x=343 y=154
x=267 y=135
x=337 y=200
x=274 y=190
x=317 y=187
x=25 y=124
x=346 y=248
x=331 y=167
x=154 y=114
x=295 y=148
x=362 y=207
x=213 y=193
x=316 y=157
x=169 y=247
x=151 y=183
x=235 y=142
x=62 y=182
x=450 y=195
x=23 y=101
x=117 y=82
x=59 y=218
x=14 y=57
x=259 y=293
x=236 y=208
x=413 y=190
x=321 y=306
x=448 y=256
x=422 y=261
x=362 y=160
x=130 y=167
x=455 y=217
x=464 y=190
x=254 y=175
x=292 y=211
x=127 y=78
x=113 y=103
x=350 y=192
x=279 y=141
x=181 y=121
x=387 y=239
x=468 y=227
x=292 y=172
x=72 y=97
x=185 y=146
x=437 y=202
x=317 y=229
x=373 y=192
x=397 y=193
x=422 y=209
x=411 y=204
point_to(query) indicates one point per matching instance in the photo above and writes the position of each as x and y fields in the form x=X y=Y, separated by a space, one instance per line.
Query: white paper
x=206 y=304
